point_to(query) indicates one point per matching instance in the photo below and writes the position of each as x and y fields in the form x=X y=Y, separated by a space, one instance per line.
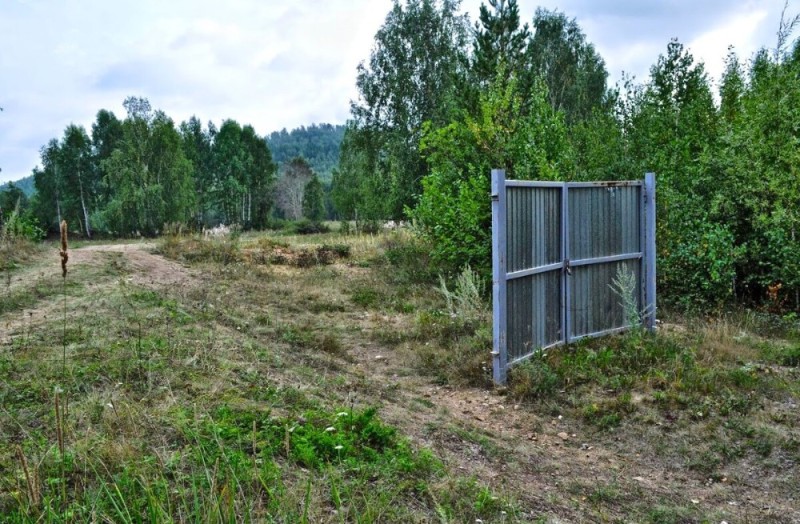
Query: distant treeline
x=25 y=185
x=318 y=144
x=442 y=102
x=132 y=176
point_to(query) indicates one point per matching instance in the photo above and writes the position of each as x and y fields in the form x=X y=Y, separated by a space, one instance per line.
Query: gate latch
x=567 y=268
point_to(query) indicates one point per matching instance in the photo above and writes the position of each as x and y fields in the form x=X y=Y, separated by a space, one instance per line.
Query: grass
x=329 y=378
x=206 y=403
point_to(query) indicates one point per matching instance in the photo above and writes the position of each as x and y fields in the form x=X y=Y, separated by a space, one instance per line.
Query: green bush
x=308 y=227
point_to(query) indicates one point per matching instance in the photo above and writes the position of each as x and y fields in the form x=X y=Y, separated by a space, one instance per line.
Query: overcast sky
x=279 y=64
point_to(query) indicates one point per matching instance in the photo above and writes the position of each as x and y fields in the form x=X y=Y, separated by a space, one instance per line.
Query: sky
x=281 y=64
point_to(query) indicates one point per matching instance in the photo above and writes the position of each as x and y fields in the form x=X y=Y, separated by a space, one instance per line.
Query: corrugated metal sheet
x=604 y=221
x=595 y=306
x=534 y=240
x=534 y=313
x=534 y=227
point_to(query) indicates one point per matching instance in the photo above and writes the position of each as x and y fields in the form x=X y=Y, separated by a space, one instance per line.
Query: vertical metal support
x=499 y=252
x=649 y=220
x=566 y=318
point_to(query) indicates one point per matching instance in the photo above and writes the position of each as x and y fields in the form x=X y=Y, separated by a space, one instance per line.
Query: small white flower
x=330 y=428
x=342 y=414
x=339 y=447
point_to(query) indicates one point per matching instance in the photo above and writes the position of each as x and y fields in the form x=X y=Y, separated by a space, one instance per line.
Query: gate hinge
x=567 y=267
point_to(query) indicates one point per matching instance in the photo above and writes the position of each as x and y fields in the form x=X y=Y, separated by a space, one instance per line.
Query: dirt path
x=146 y=268
x=137 y=261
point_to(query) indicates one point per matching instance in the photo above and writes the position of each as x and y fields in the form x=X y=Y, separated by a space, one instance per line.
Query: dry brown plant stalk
x=64 y=254
x=33 y=493
x=59 y=425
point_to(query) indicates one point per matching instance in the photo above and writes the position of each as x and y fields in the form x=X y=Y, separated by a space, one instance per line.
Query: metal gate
x=556 y=250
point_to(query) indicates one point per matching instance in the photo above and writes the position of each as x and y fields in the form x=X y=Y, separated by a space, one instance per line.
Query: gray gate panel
x=534 y=313
x=595 y=306
x=533 y=232
x=604 y=221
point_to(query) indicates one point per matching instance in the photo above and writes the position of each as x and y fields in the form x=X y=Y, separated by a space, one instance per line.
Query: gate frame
x=646 y=255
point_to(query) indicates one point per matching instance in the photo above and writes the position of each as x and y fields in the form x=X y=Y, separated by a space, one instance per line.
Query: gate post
x=500 y=320
x=649 y=268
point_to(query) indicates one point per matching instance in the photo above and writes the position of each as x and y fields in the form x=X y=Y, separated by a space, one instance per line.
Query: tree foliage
x=411 y=78
x=454 y=212
x=135 y=175
x=319 y=144
x=314 y=200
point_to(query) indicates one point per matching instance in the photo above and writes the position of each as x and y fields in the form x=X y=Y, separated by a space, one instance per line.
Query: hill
x=317 y=143
x=25 y=184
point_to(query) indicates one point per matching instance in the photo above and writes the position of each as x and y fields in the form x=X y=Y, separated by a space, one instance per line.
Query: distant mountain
x=25 y=184
x=317 y=143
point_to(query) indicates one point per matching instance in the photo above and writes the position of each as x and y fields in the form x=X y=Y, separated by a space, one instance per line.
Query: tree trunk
x=85 y=211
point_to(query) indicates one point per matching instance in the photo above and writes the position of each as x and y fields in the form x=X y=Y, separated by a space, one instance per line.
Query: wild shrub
x=465 y=302
x=308 y=227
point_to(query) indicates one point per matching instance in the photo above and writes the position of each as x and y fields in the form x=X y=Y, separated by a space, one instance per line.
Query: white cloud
x=740 y=31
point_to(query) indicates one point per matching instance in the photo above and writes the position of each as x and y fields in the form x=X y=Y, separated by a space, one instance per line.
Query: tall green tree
x=243 y=175
x=197 y=147
x=573 y=71
x=454 y=211
x=80 y=178
x=106 y=136
x=499 y=39
x=148 y=173
x=410 y=78
x=314 y=200
x=49 y=187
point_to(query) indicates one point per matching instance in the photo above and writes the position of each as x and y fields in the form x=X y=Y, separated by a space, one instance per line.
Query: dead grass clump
x=196 y=250
x=725 y=340
x=281 y=254
x=332 y=345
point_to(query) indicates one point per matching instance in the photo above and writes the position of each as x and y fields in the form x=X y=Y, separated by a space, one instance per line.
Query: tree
x=197 y=148
x=454 y=211
x=49 y=184
x=243 y=175
x=574 y=72
x=295 y=175
x=498 y=39
x=11 y=198
x=261 y=179
x=148 y=174
x=80 y=177
x=314 y=200
x=410 y=78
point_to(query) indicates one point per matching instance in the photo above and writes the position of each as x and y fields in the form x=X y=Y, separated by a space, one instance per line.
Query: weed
x=609 y=413
x=366 y=297
x=624 y=286
x=534 y=379
x=464 y=302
